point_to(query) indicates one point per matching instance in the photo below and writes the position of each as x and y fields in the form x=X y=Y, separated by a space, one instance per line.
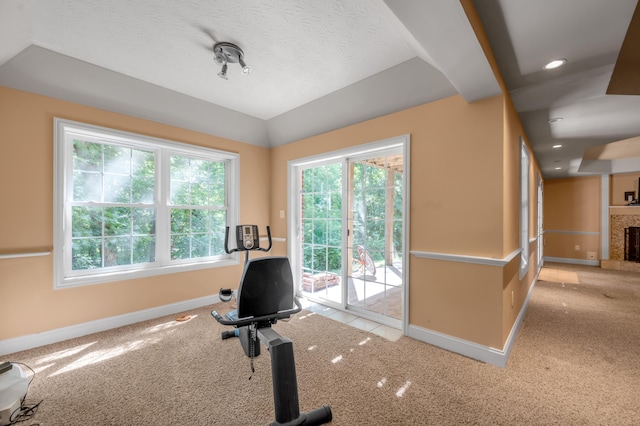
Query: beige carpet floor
x=576 y=361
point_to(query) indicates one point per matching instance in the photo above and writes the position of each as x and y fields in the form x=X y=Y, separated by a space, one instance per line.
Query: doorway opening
x=349 y=222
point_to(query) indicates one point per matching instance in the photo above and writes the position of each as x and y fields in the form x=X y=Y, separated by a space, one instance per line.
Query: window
x=128 y=205
x=524 y=209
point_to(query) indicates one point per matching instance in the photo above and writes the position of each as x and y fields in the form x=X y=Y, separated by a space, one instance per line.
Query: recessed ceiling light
x=558 y=168
x=555 y=64
x=557 y=146
x=555 y=119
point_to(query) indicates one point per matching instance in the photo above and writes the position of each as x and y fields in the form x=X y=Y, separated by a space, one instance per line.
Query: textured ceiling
x=298 y=50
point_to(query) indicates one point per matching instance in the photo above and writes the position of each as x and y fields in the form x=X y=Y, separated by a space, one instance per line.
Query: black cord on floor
x=25 y=411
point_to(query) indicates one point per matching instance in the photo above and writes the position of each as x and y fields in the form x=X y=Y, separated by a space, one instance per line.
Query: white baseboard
x=460 y=346
x=588 y=262
x=497 y=357
x=17 y=344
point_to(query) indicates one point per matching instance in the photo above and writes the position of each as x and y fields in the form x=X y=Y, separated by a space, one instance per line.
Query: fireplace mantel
x=624 y=210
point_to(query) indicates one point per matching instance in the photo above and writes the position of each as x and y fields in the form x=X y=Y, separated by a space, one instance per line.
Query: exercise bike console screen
x=247 y=237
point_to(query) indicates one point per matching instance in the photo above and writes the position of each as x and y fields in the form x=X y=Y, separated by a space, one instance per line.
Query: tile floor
x=388 y=333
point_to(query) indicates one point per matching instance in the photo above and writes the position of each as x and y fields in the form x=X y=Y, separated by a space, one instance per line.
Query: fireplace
x=632 y=244
x=623 y=254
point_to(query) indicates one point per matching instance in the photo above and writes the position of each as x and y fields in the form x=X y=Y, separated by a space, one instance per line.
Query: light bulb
x=223 y=72
x=555 y=64
x=246 y=69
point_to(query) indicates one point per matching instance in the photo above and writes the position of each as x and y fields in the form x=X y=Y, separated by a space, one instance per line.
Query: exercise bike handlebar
x=241 y=322
x=226 y=242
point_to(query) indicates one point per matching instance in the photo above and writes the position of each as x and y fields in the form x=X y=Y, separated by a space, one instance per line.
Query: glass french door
x=351 y=234
x=322 y=230
x=375 y=237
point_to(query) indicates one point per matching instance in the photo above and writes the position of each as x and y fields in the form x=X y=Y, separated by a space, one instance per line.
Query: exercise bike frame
x=241 y=322
x=283 y=368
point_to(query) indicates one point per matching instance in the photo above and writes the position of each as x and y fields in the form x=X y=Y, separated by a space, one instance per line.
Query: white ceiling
x=525 y=35
x=169 y=44
x=319 y=65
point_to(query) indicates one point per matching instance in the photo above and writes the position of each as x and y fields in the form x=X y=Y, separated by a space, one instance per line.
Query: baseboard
x=511 y=340
x=587 y=262
x=493 y=356
x=17 y=344
x=460 y=346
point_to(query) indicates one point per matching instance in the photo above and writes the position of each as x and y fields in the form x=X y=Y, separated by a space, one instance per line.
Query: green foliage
x=196 y=182
x=117 y=221
x=86 y=221
x=334 y=233
x=86 y=253
x=375 y=177
x=117 y=251
x=106 y=173
x=322 y=203
x=197 y=233
x=124 y=234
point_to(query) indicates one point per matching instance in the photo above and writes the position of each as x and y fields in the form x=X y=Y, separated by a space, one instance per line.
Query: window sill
x=70 y=282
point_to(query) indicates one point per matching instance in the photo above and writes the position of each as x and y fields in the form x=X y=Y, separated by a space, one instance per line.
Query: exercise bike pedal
x=228 y=334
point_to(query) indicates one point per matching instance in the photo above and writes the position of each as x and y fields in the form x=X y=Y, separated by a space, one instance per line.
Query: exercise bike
x=264 y=296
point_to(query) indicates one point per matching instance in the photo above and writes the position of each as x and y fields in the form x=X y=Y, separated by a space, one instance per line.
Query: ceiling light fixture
x=555 y=119
x=228 y=53
x=557 y=146
x=558 y=168
x=555 y=64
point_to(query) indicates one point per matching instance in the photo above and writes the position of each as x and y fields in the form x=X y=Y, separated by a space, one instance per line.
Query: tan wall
x=456 y=207
x=511 y=285
x=455 y=170
x=572 y=217
x=460 y=155
x=458 y=299
x=619 y=184
x=514 y=291
x=28 y=302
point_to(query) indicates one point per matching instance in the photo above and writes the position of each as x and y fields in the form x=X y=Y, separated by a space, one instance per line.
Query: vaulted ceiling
x=322 y=65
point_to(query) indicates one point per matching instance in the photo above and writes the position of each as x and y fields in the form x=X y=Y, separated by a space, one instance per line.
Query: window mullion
x=163 y=213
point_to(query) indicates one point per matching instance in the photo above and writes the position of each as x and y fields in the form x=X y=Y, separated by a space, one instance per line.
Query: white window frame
x=525 y=164
x=64 y=133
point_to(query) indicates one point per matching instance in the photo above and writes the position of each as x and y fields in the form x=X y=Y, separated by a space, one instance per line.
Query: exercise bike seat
x=265 y=294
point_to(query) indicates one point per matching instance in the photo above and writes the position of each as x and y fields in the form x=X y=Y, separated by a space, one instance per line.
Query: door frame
x=293 y=204
x=540 y=222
